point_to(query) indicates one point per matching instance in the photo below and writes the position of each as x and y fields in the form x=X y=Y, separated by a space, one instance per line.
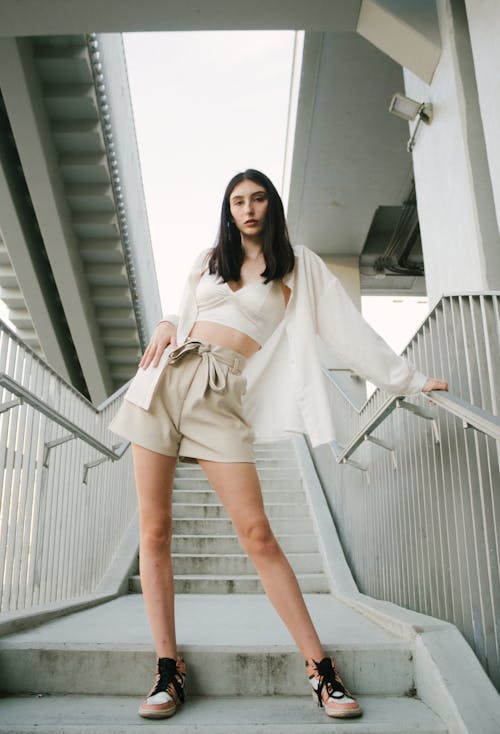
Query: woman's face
x=248 y=204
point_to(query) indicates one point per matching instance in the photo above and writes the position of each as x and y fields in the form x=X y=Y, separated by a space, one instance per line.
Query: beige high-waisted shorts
x=196 y=410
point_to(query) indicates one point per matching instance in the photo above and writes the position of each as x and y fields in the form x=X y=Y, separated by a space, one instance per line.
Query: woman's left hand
x=433 y=384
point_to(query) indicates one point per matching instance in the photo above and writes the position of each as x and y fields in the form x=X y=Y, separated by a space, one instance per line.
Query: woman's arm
x=165 y=332
x=342 y=326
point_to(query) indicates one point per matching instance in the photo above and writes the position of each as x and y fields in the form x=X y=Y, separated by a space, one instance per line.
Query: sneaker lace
x=168 y=677
x=329 y=681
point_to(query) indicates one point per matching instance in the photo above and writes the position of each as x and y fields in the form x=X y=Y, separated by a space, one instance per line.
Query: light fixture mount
x=409 y=109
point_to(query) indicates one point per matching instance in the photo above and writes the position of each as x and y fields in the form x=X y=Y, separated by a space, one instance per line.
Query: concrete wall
x=460 y=235
x=484 y=27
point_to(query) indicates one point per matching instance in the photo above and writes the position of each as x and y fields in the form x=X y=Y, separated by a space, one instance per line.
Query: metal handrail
x=26 y=396
x=471 y=416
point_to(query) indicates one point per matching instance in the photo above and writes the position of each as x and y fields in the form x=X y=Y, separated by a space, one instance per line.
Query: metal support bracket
x=11 y=404
x=355 y=464
x=383 y=445
x=90 y=465
x=422 y=413
x=123 y=445
x=56 y=442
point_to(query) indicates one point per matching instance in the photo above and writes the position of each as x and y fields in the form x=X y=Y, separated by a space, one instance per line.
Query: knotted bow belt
x=212 y=360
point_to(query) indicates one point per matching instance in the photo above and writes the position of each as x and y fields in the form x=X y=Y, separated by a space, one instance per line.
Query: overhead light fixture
x=409 y=109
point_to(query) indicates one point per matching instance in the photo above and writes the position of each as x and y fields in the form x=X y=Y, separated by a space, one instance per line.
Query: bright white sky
x=206 y=105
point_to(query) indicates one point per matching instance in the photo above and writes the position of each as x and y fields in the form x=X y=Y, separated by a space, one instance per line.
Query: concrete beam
x=23 y=101
x=16 y=240
x=404 y=30
x=349 y=153
x=112 y=56
x=310 y=71
x=31 y=17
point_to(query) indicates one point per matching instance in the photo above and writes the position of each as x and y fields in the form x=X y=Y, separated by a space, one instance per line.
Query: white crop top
x=255 y=309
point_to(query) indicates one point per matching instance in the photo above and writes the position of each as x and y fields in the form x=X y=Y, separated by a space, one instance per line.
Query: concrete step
x=207 y=496
x=220 y=526
x=294 y=484
x=264 y=463
x=278 y=455
x=213 y=510
x=310 y=583
x=214 y=715
x=233 y=645
x=239 y=563
x=274 y=472
x=278 y=445
x=229 y=543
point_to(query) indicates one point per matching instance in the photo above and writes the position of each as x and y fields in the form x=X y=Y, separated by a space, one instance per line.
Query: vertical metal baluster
x=26 y=432
x=12 y=462
x=425 y=458
x=37 y=491
x=6 y=488
x=444 y=471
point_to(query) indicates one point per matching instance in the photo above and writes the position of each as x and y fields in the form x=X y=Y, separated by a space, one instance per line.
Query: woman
x=209 y=397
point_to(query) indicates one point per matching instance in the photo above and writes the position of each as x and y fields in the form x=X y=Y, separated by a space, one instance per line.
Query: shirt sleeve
x=342 y=326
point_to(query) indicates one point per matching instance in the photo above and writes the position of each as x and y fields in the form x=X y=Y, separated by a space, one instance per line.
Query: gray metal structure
x=63 y=509
x=418 y=512
x=76 y=254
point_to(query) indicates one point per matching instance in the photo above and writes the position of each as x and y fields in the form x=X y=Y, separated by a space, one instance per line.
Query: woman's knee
x=258 y=539
x=156 y=534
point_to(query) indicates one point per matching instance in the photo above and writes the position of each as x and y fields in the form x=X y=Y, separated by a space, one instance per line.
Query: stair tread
x=71 y=714
x=219 y=504
x=291 y=555
x=236 y=576
x=225 y=622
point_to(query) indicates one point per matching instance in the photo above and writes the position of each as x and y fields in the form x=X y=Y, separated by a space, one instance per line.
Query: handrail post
x=383 y=445
x=10 y=404
x=97 y=462
x=425 y=413
x=52 y=444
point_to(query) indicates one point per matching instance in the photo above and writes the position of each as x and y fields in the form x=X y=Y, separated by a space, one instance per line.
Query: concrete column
x=460 y=236
x=484 y=26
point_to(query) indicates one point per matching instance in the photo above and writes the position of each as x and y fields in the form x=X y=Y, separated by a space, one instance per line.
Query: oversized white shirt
x=286 y=390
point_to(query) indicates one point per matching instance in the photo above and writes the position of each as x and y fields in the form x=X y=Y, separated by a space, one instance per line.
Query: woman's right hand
x=164 y=334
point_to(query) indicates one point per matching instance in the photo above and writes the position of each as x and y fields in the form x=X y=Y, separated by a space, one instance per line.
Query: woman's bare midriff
x=212 y=333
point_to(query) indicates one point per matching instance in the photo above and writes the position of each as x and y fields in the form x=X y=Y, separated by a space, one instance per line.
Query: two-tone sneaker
x=331 y=693
x=168 y=691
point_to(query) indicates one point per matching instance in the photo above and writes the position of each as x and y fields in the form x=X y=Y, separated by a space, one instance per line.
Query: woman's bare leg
x=238 y=487
x=154 y=475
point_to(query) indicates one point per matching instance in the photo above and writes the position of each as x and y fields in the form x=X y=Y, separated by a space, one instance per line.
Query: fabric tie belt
x=212 y=359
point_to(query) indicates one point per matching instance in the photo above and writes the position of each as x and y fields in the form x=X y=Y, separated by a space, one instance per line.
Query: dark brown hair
x=227 y=255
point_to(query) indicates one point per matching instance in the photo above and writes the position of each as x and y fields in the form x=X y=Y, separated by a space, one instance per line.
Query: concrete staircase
x=207 y=556
x=87 y=672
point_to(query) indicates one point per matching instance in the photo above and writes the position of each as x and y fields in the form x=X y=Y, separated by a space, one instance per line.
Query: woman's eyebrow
x=255 y=193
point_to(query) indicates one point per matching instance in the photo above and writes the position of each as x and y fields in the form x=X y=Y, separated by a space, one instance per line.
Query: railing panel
x=58 y=535
x=426 y=535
